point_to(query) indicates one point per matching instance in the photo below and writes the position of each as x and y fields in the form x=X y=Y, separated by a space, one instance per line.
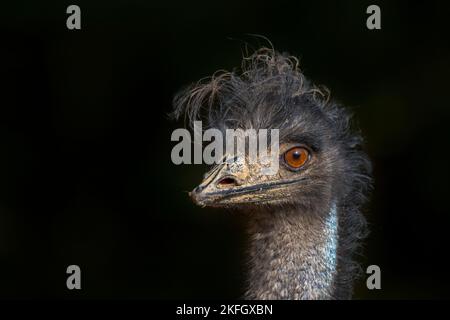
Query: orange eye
x=296 y=157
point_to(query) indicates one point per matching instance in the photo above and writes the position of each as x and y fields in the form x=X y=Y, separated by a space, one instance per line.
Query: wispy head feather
x=254 y=95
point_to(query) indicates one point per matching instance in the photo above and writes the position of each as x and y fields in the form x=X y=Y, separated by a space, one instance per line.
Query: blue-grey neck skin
x=293 y=255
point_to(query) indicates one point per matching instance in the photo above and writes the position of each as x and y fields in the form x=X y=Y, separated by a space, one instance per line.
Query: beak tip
x=197 y=197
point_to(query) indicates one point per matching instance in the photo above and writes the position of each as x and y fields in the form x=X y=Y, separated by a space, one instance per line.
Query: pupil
x=296 y=155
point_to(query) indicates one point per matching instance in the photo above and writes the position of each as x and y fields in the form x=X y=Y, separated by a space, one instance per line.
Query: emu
x=304 y=223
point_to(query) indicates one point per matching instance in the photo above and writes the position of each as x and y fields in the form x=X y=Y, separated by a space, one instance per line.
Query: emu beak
x=236 y=182
x=222 y=179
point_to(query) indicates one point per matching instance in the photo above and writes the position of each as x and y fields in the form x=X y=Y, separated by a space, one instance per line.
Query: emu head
x=319 y=157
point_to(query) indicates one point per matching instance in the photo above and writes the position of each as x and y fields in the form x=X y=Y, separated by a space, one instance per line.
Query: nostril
x=227 y=181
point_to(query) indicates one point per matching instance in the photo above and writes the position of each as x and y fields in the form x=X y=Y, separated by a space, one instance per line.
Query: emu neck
x=293 y=255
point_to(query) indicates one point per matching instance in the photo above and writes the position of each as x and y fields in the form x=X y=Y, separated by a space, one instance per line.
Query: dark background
x=85 y=170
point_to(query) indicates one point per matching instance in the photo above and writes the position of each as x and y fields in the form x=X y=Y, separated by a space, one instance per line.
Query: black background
x=85 y=171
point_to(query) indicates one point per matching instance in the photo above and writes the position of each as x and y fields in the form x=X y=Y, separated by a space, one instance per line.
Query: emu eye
x=296 y=157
